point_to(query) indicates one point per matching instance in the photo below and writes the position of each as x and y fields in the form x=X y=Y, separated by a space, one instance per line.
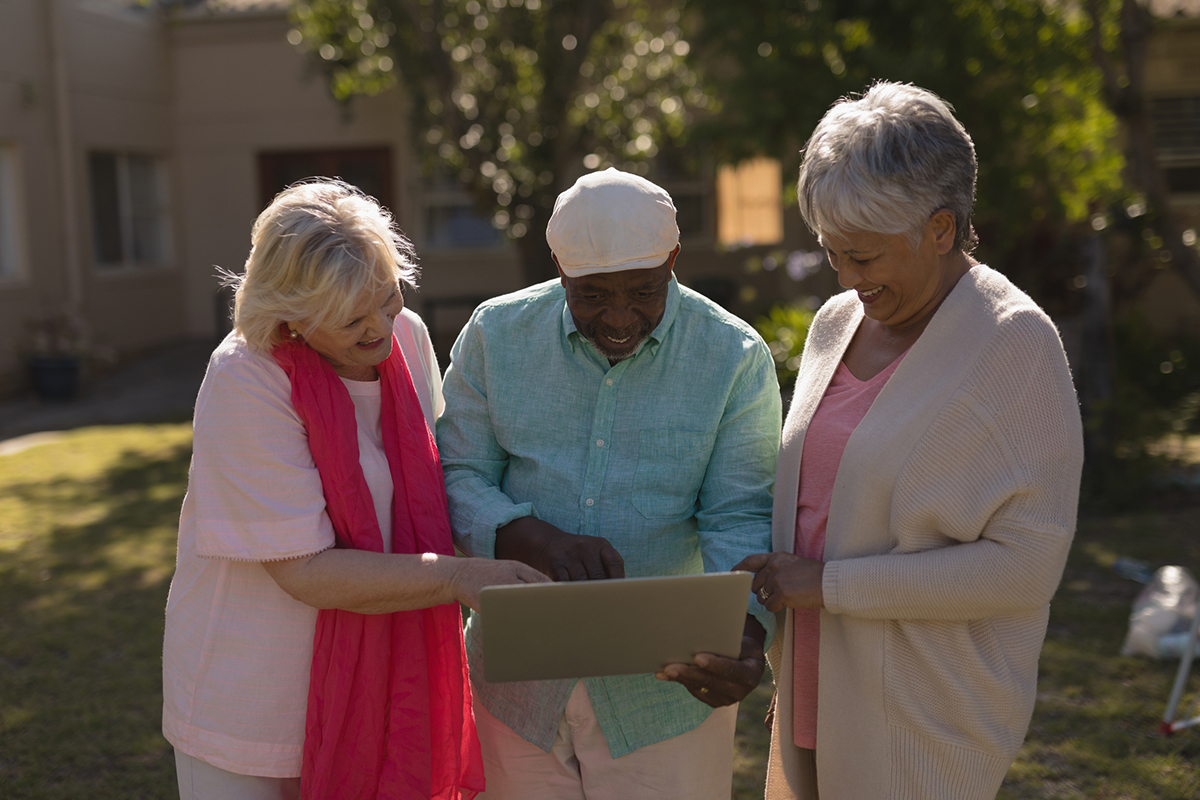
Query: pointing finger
x=752 y=563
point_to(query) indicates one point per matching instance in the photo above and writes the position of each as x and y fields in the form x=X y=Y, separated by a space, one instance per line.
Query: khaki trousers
x=199 y=780
x=697 y=765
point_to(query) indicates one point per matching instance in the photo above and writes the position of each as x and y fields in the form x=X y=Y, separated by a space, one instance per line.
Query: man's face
x=616 y=311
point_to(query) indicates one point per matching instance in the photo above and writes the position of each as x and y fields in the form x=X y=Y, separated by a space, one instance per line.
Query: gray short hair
x=885 y=162
x=315 y=251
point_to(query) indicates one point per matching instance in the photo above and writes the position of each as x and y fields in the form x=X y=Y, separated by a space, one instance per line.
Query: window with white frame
x=130 y=214
x=10 y=217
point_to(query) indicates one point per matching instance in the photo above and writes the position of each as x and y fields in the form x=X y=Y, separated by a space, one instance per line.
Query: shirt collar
x=669 y=313
x=653 y=341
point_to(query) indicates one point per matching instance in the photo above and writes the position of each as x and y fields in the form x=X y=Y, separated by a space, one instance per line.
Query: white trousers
x=199 y=780
x=697 y=765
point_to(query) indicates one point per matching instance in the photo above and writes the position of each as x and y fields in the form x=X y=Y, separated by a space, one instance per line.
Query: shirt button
x=599 y=443
x=608 y=382
x=590 y=502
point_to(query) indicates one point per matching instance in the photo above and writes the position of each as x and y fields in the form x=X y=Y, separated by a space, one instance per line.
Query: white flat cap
x=612 y=221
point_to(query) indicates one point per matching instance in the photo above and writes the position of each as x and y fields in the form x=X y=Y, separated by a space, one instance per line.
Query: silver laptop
x=611 y=627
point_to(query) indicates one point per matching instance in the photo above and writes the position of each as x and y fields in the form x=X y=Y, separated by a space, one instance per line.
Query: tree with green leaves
x=1136 y=387
x=516 y=98
x=1018 y=73
x=1020 y=76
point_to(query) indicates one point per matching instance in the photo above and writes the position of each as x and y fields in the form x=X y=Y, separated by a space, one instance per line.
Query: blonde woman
x=313 y=625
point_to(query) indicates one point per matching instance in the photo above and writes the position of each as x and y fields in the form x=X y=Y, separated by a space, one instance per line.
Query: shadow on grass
x=85 y=565
x=81 y=636
x=86 y=557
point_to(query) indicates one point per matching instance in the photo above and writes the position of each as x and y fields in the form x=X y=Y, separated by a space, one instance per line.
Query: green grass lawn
x=1095 y=727
x=87 y=545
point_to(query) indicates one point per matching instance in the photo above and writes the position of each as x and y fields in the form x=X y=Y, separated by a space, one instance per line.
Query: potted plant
x=56 y=348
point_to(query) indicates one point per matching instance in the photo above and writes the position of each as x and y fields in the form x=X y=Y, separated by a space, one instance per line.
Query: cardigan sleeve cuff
x=829 y=587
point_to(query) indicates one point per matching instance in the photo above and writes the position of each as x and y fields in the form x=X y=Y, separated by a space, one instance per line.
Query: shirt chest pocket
x=670 y=470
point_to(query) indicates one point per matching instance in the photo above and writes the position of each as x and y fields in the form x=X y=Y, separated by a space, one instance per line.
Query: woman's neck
x=357 y=373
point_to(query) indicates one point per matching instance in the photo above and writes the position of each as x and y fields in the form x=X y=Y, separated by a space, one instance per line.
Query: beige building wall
x=207 y=93
x=120 y=102
x=27 y=133
x=78 y=76
x=207 y=90
x=241 y=90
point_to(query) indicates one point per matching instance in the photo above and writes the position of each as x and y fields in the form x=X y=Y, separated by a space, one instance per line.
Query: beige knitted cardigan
x=952 y=513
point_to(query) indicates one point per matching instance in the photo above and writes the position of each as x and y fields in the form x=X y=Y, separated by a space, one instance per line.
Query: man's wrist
x=755 y=630
x=754 y=638
x=488 y=526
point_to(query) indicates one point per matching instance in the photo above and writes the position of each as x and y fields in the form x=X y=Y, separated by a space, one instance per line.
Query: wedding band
x=763 y=595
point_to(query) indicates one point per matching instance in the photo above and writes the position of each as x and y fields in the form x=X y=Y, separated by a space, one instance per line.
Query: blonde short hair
x=316 y=250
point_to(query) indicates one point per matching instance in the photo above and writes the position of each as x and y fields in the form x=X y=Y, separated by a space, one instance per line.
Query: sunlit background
x=139 y=139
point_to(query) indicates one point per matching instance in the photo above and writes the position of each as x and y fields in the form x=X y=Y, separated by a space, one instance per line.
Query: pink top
x=844 y=405
x=238 y=649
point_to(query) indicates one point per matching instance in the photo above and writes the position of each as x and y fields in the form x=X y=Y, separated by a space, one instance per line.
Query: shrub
x=1156 y=395
x=785 y=328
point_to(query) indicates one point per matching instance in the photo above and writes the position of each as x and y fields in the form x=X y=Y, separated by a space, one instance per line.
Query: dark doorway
x=370 y=169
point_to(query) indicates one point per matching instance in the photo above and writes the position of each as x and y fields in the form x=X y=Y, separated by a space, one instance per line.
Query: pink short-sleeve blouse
x=238 y=649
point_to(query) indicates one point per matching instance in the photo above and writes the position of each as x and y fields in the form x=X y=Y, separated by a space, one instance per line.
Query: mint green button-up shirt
x=669 y=454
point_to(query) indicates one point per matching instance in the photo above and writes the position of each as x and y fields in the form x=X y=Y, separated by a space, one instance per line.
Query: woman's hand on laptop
x=474 y=574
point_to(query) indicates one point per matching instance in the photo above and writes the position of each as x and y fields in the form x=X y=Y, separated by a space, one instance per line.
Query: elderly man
x=612 y=424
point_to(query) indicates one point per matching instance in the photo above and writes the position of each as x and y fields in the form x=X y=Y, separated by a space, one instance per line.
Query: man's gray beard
x=616 y=358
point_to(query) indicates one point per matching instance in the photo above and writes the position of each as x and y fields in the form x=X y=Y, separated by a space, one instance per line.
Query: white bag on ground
x=1158 y=625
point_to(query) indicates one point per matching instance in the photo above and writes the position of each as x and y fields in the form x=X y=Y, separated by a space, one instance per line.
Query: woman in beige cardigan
x=929 y=472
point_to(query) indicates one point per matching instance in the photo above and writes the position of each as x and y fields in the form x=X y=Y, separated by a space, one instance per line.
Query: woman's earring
x=295 y=334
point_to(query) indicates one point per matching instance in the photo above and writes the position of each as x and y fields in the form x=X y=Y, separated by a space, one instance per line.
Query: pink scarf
x=389 y=700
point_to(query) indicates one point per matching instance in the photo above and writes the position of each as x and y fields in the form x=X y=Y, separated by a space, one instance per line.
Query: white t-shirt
x=238 y=649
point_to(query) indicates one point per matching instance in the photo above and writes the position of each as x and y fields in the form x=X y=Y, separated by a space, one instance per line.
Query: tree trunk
x=536 y=263
x=1096 y=378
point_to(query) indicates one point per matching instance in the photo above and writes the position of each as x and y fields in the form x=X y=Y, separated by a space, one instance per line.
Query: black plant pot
x=55 y=378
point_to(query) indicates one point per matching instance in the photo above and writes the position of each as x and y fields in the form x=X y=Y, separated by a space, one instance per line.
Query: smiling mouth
x=618 y=346
x=632 y=334
x=872 y=293
x=372 y=343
